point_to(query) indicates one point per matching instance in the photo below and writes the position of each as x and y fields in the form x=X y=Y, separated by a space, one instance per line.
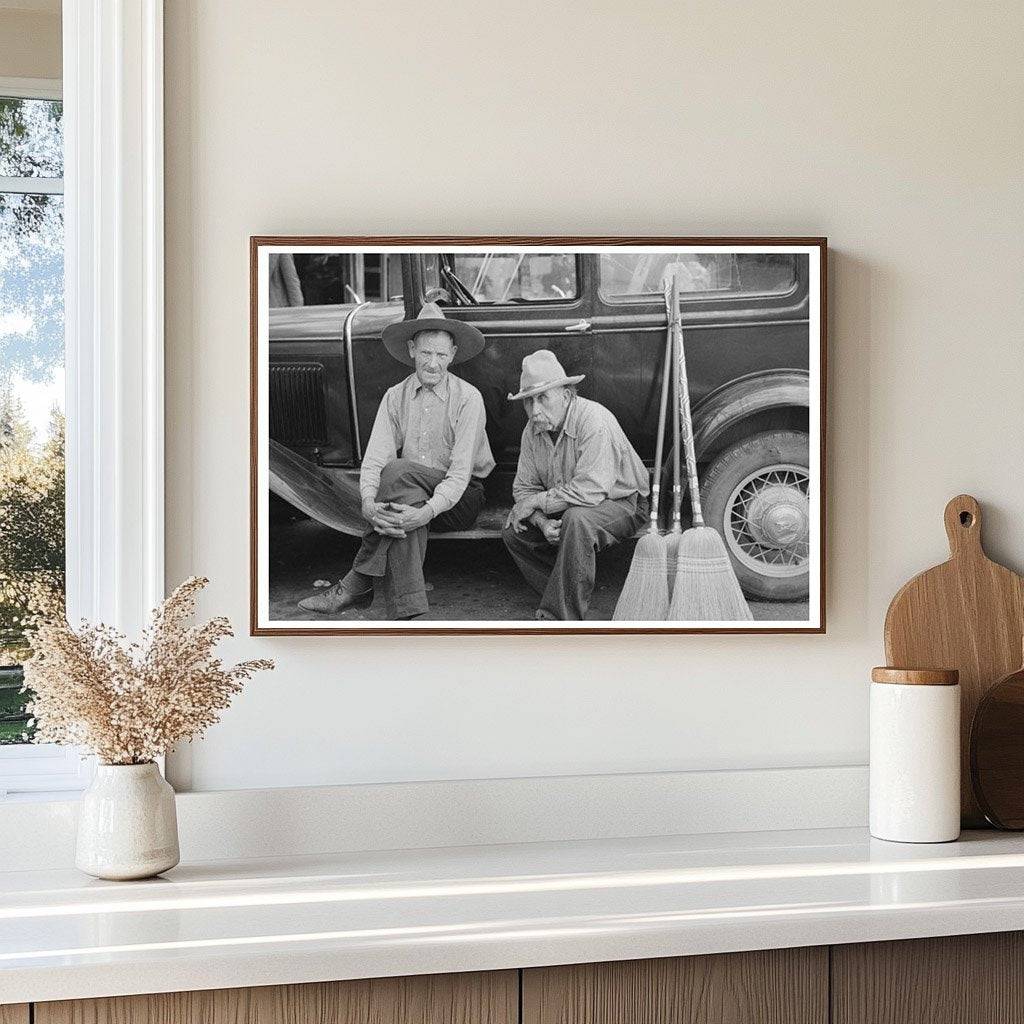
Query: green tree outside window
x=32 y=555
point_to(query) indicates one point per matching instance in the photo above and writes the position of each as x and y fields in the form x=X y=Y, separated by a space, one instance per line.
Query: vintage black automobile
x=746 y=331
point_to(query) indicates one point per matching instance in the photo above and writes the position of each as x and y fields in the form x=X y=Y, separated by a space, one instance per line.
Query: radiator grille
x=298 y=407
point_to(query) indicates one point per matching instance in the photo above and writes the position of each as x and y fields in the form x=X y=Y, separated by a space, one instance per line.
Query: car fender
x=744 y=397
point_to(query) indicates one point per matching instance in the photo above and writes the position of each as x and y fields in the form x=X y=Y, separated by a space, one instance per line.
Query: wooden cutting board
x=967 y=614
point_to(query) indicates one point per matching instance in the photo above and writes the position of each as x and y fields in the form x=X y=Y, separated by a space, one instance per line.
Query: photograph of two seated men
x=540 y=437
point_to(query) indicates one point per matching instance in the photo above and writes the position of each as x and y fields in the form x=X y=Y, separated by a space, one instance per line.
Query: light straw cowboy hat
x=467 y=339
x=541 y=372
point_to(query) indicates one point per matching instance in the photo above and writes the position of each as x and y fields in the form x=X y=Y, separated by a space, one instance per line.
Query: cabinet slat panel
x=479 y=998
x=961 y=979
x=14 y=1013
x=778 y=986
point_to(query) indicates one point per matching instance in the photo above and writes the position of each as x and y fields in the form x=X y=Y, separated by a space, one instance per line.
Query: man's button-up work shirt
x=440 y=426
x=590 y=460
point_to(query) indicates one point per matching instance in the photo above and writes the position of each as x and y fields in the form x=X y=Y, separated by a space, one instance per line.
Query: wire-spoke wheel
x=756 y=494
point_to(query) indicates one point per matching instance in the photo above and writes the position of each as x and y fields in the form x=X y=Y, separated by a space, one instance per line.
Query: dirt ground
x=467 y=579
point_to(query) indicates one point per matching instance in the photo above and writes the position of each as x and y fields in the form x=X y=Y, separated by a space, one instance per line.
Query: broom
x=705 y=588
x=644 y=595
x=676 y=529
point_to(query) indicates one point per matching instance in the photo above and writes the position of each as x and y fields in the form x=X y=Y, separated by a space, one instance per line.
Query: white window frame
x=114 y=334
x=31 y=88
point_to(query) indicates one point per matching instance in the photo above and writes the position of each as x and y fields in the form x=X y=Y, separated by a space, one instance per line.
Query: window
x=496 y=277
x=107 y=141
x=32 y=565
x=323 y=279
x=630 y=276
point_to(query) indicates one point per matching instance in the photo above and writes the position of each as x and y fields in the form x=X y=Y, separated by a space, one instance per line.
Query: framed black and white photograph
x=537 y=435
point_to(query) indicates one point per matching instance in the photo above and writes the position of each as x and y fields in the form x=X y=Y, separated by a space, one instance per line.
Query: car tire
x=755 y=493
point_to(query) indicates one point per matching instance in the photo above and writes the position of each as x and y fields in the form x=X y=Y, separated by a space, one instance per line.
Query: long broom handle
x=677 y=490
x=684 y=402
x=659 y=445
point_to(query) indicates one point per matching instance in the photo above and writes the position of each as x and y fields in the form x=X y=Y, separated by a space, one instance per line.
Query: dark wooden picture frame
x=816 y=611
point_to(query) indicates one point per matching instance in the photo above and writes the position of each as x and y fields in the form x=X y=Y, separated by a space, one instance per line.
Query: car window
x=496 y=277
x=323 y=279
x=628 y=276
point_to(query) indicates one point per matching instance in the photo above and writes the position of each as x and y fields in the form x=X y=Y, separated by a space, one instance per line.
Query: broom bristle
x=644 y=595
x=706 y=588
x=671 y=557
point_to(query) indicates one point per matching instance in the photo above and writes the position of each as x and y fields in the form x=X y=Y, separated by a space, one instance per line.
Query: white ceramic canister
x=915 y=755
x=127 y=825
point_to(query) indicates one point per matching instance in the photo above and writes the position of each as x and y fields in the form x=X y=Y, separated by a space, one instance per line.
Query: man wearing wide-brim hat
x=423 y=469
x=579 y=488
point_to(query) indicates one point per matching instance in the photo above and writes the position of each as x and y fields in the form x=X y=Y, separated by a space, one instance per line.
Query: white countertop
x=261 y=922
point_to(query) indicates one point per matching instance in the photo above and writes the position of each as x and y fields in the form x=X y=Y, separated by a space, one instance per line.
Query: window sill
x=36 y=772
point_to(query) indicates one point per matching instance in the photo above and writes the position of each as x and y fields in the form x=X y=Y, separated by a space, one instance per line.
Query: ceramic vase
x=127 y=825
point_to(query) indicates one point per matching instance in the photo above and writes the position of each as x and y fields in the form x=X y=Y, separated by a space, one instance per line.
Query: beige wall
x=30 y=43
x=895 y=129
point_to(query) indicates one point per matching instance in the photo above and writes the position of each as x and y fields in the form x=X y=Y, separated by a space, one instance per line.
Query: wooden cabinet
x=970 y=979
x=776 y=986
x=962 y=979
x=491 y=998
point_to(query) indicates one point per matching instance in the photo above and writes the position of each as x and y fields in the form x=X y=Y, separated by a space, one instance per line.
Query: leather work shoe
x=336 y=599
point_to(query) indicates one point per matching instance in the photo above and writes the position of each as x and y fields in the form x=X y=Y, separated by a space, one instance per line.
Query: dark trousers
x=398 y=561
x=563 y=574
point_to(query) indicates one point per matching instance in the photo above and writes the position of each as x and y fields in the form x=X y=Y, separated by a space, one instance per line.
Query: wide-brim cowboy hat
x=467 y=339
x=541 y=372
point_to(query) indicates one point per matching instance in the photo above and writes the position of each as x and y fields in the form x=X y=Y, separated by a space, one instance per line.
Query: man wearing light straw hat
x=424 y=466
x=579 y=488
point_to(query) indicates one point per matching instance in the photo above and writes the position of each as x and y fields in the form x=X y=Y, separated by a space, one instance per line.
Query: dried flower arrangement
x=130 y=703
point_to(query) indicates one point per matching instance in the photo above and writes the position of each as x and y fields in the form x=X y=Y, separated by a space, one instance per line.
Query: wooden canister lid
x=916 y=676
